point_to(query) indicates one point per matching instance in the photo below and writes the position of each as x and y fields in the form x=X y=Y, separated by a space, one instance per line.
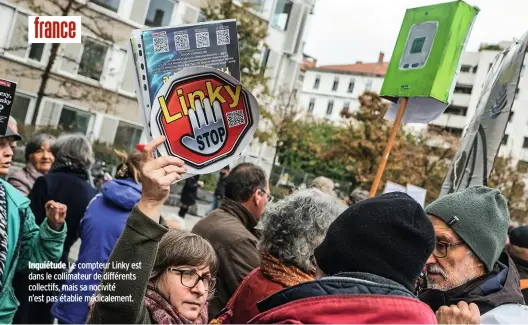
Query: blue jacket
x=27 y=242
x=100 y=228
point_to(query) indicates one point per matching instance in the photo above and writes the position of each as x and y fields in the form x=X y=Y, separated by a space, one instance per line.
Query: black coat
x=189 y=192
x=522 y=267
x=220 y=186
x=66 y=187
x=72 y=189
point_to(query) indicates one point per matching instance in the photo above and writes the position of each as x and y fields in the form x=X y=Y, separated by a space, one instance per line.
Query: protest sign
x=188 y=86
x=426 y=59
x=474 y=158
x=7 y=95
x=421 y=74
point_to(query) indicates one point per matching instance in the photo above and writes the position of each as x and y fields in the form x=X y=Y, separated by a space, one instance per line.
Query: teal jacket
x=27 y=242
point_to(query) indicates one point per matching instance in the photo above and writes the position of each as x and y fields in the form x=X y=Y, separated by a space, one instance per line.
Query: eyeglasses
x=189 y=279
x=441 y=248
x=268 y=196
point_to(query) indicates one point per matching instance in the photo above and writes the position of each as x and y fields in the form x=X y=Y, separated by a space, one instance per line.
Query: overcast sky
x=346 y=31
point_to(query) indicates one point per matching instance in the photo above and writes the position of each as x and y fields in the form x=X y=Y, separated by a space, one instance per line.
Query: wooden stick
x=388 y=147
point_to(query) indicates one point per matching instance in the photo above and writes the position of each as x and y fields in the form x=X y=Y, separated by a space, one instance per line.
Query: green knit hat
x=479 y=216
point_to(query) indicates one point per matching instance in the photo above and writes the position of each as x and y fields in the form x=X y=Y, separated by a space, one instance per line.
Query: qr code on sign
x=235 y=118
x=202 y=40
x=181 y=42
x=222 y=37
x=161 y=44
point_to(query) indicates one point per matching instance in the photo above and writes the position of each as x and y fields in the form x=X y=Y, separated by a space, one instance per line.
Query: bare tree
x=97 y=24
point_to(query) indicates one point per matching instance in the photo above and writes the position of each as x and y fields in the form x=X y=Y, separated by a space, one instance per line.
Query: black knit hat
x=519 y=237
x=388 y=235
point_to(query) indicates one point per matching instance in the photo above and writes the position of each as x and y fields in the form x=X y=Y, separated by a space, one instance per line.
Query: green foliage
x=210 y=181
x=103 y=151
x=351 y=153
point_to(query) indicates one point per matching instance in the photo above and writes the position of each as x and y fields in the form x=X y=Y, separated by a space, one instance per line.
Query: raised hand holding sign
x=208 y=132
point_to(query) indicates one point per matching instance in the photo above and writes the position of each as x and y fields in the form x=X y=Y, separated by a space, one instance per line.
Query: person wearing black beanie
x=518 y=250
x=368 y=266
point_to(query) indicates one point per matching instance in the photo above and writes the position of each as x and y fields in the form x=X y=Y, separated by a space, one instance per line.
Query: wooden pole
x=388 y=147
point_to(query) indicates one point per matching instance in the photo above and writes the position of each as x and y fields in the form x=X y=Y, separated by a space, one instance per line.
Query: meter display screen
x=417 y=45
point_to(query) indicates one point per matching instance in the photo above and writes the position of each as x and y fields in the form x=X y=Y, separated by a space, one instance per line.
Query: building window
x=475 y=69
x=159 y=13
x=460 y=89
x=36 y=51
x=317 y=81
x=301 y=76
x=456 y=110
x=330 y=107
x=20 y=107
x=505 y=139
x=346 y=107
x=465 y=68
x=73 y=120
x=525 y=143
x=351 y=86
x=108 y=4
x=92 y=60
x=311 y=105
x=127 y=136
x=368 y=86
x=336 y=84
x=281 y=16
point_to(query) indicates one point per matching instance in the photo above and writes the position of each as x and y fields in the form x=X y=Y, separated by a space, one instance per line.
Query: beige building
x=91 y=85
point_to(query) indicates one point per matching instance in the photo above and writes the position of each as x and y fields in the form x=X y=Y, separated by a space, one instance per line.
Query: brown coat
x=230 y=229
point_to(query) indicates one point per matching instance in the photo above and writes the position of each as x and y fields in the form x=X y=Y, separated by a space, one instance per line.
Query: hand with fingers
x=209 y=132
x=56 y=214
x=462 y=313
x=157 y=175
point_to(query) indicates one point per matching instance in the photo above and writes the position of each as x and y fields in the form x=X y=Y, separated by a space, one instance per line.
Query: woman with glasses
x=156 y=276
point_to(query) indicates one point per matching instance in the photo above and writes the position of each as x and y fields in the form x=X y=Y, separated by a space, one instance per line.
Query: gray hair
x=292 y=228
x=36 y=142
x=325 y=184
x=73 y=149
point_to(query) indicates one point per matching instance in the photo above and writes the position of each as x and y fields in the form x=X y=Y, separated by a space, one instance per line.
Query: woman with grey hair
x=290 y=231
x=38 y=162
x=67 y=182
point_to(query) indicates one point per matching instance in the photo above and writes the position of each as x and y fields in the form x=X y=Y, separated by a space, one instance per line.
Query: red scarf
x=162 y=312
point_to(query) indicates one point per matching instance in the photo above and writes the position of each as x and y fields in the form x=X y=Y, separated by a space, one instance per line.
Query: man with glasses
x=231 y=230
x=467 y=264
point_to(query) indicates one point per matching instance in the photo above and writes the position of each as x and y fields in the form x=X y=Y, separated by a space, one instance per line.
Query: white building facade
x=329 y=90
x=474 y=69
x=289 y=21
x=104 y=66
x=94 y=66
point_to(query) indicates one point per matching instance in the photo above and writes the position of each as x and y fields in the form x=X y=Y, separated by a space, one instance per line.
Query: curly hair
x=292 y=228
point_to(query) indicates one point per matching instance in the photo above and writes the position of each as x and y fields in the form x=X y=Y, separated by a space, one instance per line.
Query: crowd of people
x=307 y=258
